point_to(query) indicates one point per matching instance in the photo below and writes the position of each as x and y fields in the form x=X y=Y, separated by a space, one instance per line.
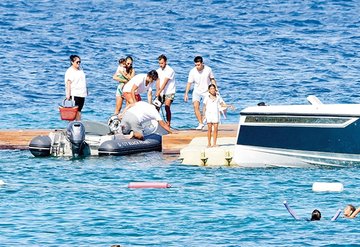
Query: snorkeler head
x=315 y=215
x=349 y=209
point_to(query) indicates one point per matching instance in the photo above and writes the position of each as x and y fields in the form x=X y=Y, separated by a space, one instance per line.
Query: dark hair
x=130 y=68
x=129 y=57
x=212 y=85
x=153 y=74
x=198 y=59
x=162 y=56
x=73 y=57
x=121 y=60
x=352 y=208
x=315 y=215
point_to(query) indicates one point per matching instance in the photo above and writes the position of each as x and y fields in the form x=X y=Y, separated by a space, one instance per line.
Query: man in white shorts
x=165 y=85
x=202 y=76
x=134 y=115
x=139 y=84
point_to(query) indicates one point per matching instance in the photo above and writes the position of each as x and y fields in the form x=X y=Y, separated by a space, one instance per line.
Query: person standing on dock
x=202 y=76
x=211 y=108
x=75 y=84
x=165 y=85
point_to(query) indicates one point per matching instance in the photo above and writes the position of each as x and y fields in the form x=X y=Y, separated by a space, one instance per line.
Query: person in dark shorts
x=75 y=84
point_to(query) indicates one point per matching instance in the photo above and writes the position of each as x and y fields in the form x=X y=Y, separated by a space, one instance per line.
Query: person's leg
x=78 y=116
x=216 y=125
x=79 y=101
x=168 y=111
x=197 y=111
x=209 y=134
x=118 y=105
x=128 y=98
x=196 y=99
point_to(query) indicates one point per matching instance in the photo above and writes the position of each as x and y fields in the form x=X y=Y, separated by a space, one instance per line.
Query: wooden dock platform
x=172 y=143
x=19 y=139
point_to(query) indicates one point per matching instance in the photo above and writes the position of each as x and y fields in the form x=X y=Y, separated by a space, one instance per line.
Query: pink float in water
x=148 y=185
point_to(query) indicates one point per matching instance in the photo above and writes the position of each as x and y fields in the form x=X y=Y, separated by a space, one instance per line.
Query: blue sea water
x=273 y=51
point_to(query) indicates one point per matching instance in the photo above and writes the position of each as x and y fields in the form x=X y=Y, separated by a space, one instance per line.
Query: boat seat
x=96 y=128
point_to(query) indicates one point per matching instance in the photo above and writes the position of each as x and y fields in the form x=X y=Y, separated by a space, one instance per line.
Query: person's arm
x=157 y=86
x=165 y=126
x=353 y=215
x=188 y=85
x=121 y=115
x=149 y=96
x=117 y=78
x=166 y=80
x=223 y=104
x=133 y=90
x=213 y=81
x=68 y=89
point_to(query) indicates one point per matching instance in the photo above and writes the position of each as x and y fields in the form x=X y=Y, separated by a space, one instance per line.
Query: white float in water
x=331 y=187
x=2 y=182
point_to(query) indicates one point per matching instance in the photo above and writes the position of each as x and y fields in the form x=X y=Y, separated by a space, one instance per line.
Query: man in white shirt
x=165 y=85
x=139 y=84
x=134 y=115
x=202 y=76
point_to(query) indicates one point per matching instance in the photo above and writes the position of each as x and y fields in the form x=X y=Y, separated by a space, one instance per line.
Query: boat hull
x=298 y=136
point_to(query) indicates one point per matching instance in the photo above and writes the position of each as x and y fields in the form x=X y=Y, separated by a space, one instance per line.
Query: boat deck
x=171 y=144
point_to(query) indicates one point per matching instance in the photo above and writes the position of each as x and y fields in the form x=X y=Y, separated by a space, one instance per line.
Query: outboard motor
x=75 y=133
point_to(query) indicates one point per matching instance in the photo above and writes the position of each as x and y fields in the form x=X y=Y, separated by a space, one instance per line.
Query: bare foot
x=215 y=145
x=208 y=146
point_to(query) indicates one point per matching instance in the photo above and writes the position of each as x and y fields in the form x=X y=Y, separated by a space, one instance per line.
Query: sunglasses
x=78 y=62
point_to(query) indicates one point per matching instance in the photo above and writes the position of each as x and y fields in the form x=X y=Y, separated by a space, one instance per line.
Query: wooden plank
x=19 y=139
x=173 y=143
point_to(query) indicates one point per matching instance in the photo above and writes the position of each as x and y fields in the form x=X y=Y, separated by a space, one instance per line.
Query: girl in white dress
x=212 y=104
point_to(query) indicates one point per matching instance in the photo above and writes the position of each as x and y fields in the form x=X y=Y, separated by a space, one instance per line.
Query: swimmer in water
x=315 y=215
x=350 y=211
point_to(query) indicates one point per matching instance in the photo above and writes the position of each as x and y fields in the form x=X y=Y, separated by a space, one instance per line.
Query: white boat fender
x=327 y=187
x=293 y=214
x=149 y=185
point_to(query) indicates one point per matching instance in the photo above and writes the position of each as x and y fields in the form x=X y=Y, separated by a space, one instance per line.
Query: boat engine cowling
x=75 y=133
x=40 y=146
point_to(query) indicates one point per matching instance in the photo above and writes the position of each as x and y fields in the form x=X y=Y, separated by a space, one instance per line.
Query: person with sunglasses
x=75 y=84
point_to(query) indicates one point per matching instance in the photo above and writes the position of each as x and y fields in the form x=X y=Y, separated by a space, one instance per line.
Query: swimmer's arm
x=353 y=215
